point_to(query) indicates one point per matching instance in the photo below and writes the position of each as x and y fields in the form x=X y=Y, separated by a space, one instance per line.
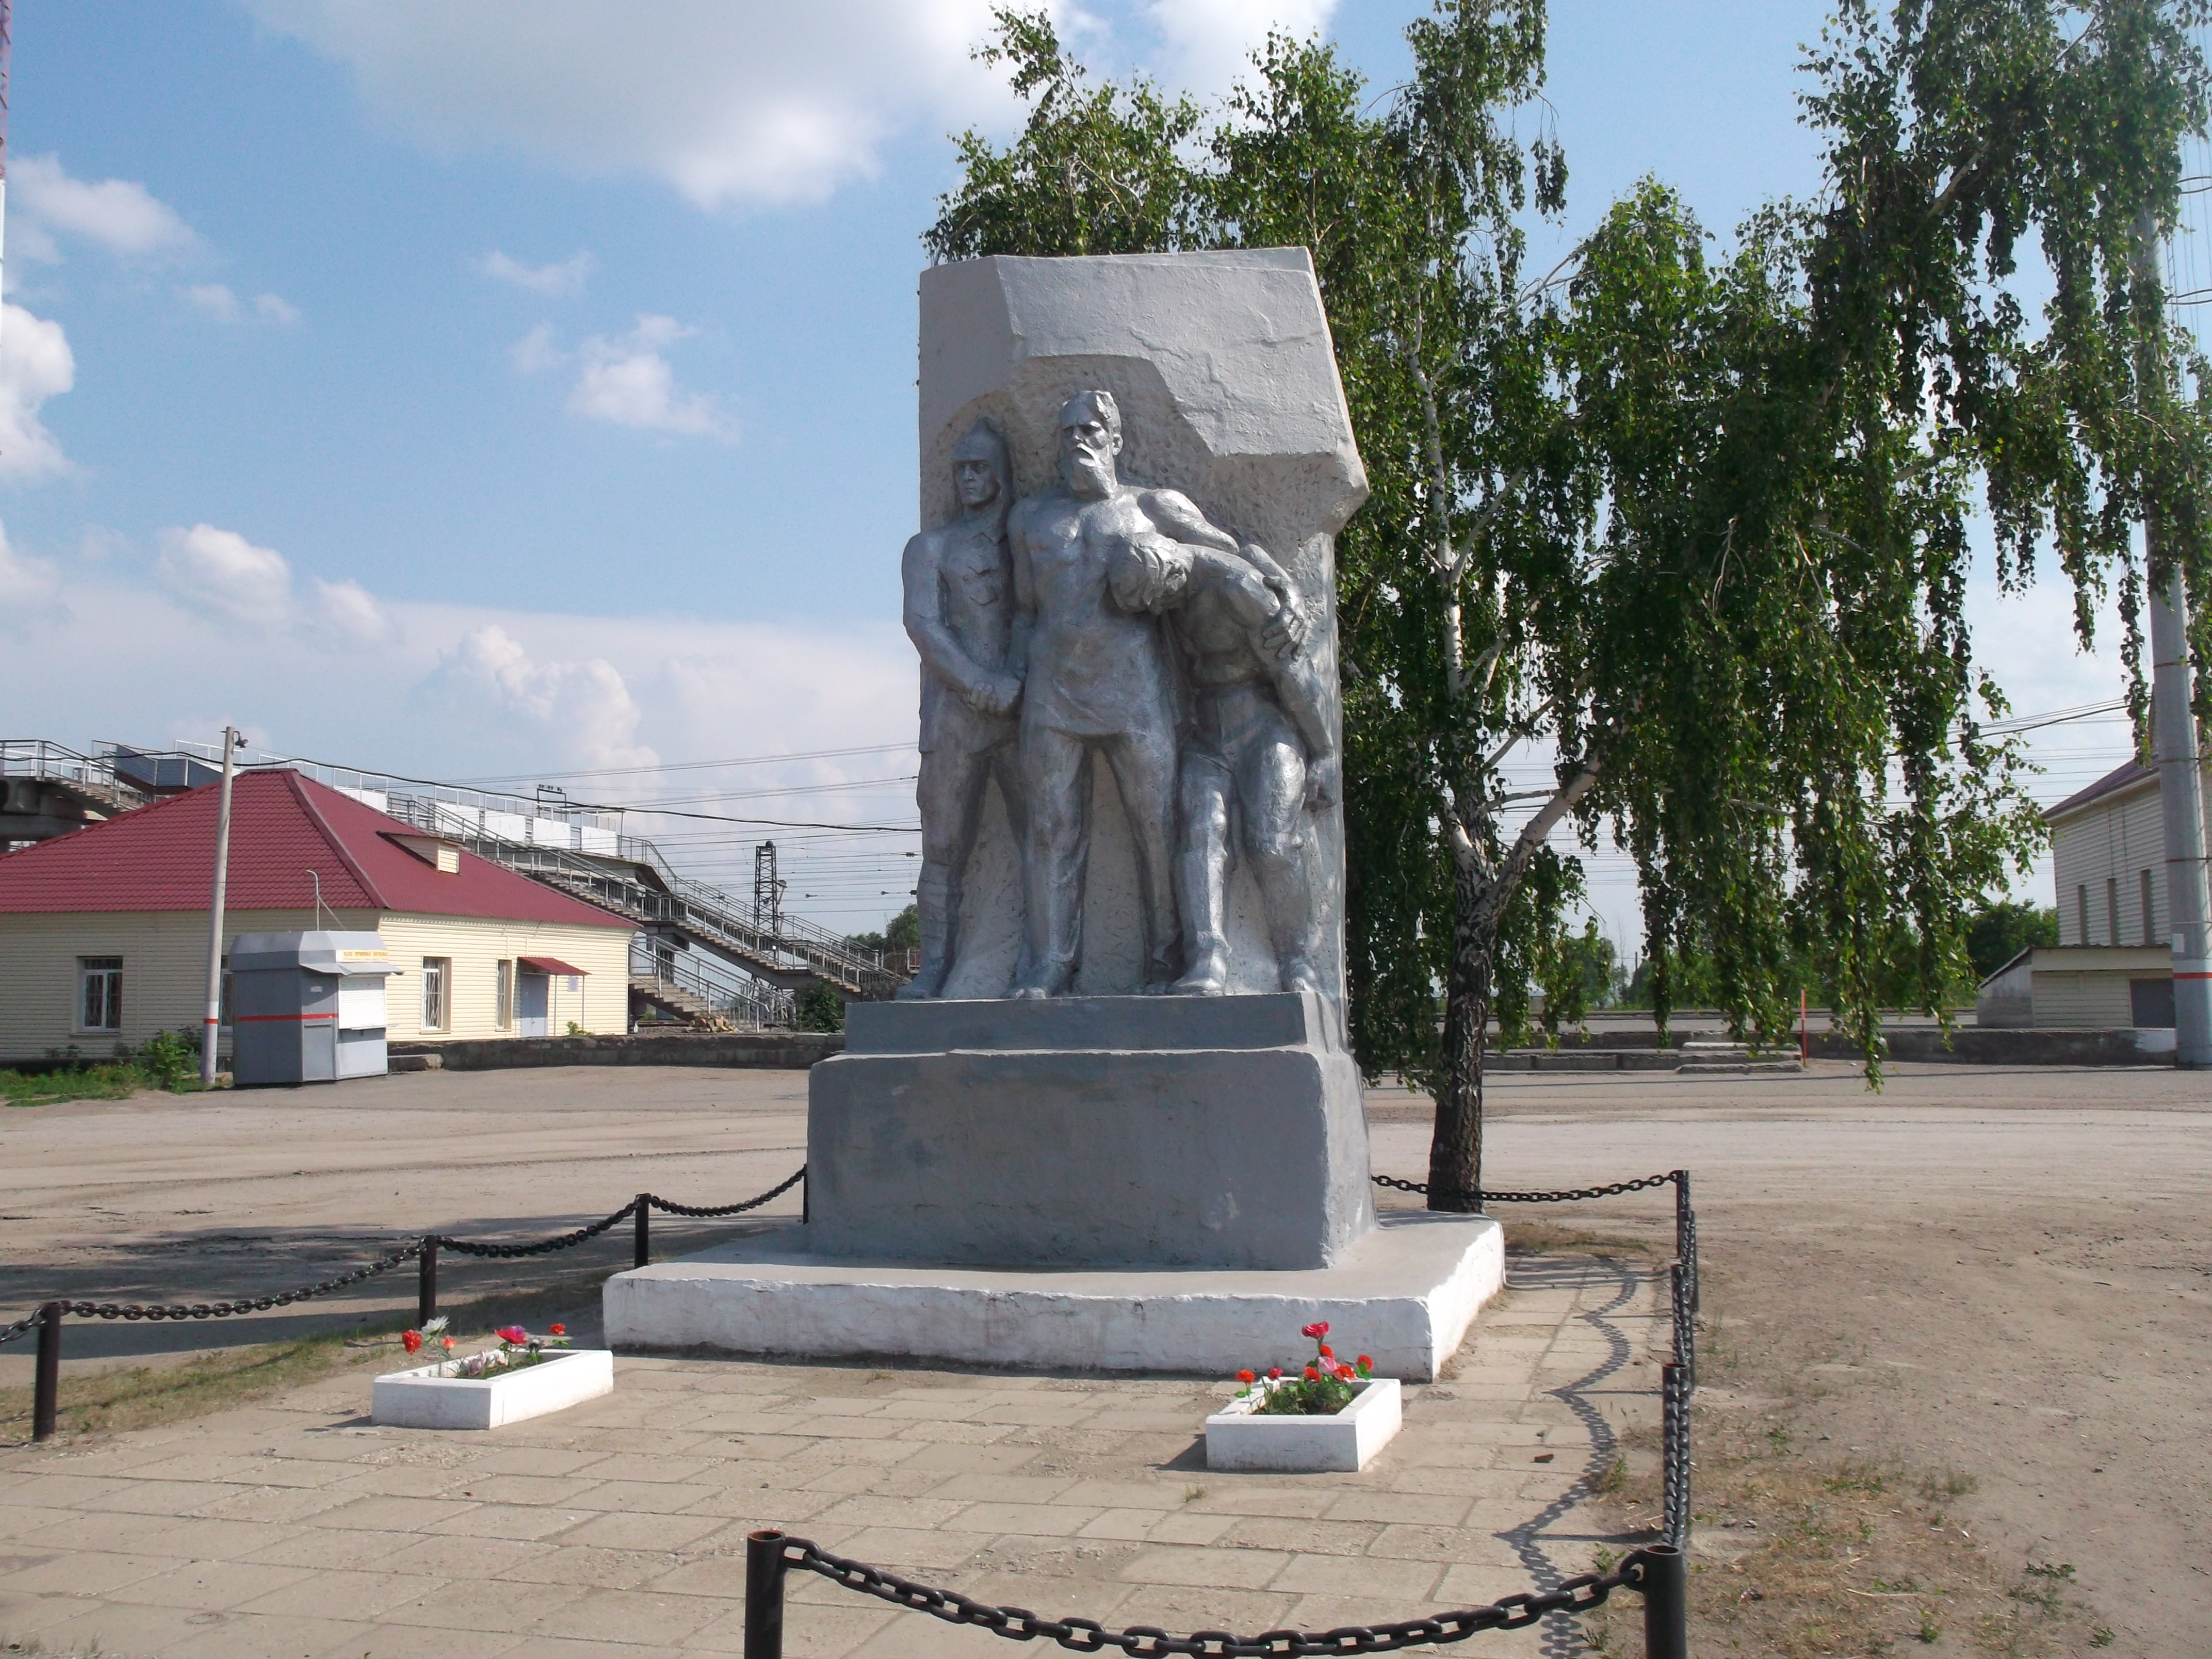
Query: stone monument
x=1112 y=1123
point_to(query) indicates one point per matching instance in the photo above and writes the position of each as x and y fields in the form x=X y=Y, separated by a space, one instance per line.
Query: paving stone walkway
x=294 y=1529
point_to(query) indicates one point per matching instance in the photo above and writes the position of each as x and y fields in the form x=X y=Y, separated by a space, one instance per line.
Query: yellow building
x=103 y=932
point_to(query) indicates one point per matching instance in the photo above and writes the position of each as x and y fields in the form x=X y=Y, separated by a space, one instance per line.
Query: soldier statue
x=959 y=612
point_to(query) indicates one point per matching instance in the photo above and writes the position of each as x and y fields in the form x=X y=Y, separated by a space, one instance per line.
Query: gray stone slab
x=1405 y=1294
x=1155 y=1132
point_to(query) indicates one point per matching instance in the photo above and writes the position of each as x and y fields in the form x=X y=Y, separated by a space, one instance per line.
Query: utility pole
x=2173 y=718
x=211 y=1030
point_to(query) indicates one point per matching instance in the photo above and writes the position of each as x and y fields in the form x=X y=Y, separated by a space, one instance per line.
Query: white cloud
x=215 y=299
x=218 y=301
x=586 y=702
x=35 y=364
x=116 y=214
x=566 y=277
x=730 y=102
x=1208 y=43
x=351 y=612
x=627 y=380
x=221 y=571
x=535 y=351
x=27 y=586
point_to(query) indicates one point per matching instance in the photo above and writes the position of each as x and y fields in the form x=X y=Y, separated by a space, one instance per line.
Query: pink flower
x=513 y=1334
x=1317 y=1330
x=412 y=1340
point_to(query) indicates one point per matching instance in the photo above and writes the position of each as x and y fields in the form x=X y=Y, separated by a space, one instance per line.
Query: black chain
x=543 y=1247
x=1486 y=1197
x=19 y=1328
x=225 y=1310
x=674 y=1208
x=1578 y=1595
x=1674 y=1387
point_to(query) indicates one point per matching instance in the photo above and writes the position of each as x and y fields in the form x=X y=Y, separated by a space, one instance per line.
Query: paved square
x=296 y=1529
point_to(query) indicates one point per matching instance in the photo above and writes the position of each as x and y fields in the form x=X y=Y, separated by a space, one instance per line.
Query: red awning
x=545 y=965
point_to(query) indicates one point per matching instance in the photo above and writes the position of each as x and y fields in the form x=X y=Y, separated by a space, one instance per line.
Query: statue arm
x=941 y=655
x=1178 y=516
x=1256 y=606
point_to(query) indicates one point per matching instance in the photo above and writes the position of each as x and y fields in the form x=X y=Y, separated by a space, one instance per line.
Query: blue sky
x=519 y=389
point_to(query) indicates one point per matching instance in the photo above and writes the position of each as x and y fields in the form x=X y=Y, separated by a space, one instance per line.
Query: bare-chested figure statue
x=959 y=613
x=1099 y=679
x=1263 y=744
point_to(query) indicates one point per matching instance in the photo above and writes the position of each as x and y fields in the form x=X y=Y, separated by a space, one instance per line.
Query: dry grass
x=114 y=1402
x=1540 y=1238
x=1798 y=1555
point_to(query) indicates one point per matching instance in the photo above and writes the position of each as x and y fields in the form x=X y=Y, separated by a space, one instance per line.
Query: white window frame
x=503 y=1015
x=437 y=994
x=108 y=971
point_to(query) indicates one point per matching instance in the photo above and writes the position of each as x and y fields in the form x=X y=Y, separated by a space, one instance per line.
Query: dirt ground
x=1991 y=1278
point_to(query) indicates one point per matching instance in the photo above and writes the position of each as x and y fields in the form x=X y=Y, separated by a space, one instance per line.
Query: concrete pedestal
x=1405 y=1294
x=1137 y=1132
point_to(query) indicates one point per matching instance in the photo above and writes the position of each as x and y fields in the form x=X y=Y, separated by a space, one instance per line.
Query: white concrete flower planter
x=1239 y=1439
x=421 y=1399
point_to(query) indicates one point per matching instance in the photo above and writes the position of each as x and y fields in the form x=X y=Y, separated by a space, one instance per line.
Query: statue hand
x=1322 y=781
x=997 y=696
x=1292 y=627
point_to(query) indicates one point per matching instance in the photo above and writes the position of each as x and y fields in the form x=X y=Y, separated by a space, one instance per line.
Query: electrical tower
x=767 y=889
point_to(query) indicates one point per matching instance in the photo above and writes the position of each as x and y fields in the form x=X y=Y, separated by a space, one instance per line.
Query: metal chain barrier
x=230 y=1309
x=671 y=1207
x=47 y=1319
x=771 y=1554
x=1578 y=1194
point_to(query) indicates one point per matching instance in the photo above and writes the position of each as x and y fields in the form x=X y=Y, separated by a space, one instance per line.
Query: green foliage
x=1695 y=515
x=169 y=1059
x=819 y=1008
x=1998 y=932
x=902 y=932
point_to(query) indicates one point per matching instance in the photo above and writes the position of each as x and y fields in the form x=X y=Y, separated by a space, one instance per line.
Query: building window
x=100 y=994
x=2150 y=922
x=437 y=971
x=2082 y=913
x=505 y=1015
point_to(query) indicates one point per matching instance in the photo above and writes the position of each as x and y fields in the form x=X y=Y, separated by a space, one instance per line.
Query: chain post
x=426 y=1285
x=643 y=1253
x=46 y=1396
x=765 y=1576
x=1666 y=1590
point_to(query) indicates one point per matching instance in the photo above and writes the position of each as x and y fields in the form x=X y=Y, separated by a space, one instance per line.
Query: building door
x=530 y=1002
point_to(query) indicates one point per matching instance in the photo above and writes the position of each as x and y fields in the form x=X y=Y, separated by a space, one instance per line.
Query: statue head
x=1149 y=573
x=1089 y=439
x=983 y=471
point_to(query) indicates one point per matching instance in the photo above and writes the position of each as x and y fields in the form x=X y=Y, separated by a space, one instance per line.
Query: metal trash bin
x=307 y=1007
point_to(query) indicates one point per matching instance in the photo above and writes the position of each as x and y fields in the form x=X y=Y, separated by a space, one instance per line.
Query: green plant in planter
x=1325 y=1388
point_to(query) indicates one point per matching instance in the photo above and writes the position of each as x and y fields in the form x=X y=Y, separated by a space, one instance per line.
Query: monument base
x=1405 y=1294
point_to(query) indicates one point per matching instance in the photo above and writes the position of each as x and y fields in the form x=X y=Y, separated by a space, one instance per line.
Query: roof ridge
x=335 y=842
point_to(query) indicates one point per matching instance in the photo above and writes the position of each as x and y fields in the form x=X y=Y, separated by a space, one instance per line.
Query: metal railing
x=744 y=1001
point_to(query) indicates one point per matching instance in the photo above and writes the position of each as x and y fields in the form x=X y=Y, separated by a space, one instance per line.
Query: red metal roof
x=2120 y=777
x=546 y=965
x=282 y=826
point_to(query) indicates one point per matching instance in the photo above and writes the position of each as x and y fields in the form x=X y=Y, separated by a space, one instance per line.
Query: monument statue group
x=1112 y=1121
x=1100 y=618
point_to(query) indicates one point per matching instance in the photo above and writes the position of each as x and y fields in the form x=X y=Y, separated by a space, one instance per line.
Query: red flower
x=1275 y=1373
x=412 y=1340
x=448 y=1341
x=560 y=1330
x=1317 y=1330
x=1366 y=1363
x=513 y=1334
x=1328 y=1353
x=1312 y=1376
x=1246 y=1377
x=1346 y=1374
